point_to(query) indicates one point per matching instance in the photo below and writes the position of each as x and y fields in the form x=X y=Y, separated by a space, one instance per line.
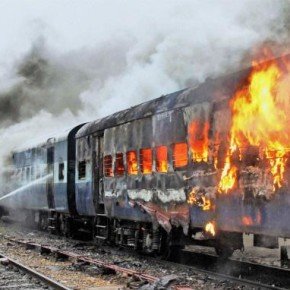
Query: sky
x=64 y=62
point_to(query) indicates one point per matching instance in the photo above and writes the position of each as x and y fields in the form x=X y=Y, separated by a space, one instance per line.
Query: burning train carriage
x=208 y=159
x=154 y=168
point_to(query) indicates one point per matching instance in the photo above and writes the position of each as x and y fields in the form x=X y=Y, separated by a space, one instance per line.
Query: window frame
x=82 y=170
x=143 y=161
x=180 y=167
x=108 y=170
x=156 y=159
x=118 y=156
x=130 y=172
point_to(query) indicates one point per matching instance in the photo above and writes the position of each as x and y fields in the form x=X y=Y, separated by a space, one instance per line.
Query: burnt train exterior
x=136 y=177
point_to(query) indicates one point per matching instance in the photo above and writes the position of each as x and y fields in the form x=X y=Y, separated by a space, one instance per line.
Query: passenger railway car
x=43 y=184
x=193 y=165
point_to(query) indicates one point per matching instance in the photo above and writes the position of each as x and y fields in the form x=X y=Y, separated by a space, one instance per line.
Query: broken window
x=108 y=165
x=180 y=156
x=132 y=163
x=82 y=169
x=120 y=169
x=146 y=160
x=161 y=159
x=61 y=171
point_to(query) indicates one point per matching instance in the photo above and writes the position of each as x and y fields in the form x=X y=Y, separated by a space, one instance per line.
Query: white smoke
x=81 y=60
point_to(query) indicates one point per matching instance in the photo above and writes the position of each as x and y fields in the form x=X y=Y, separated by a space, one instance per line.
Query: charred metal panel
x=169 y=128
x=84 y=148
x=258 y=217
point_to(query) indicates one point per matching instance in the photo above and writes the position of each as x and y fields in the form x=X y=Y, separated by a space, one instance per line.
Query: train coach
x=207 y=163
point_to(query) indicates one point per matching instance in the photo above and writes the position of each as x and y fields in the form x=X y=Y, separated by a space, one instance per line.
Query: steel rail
x=40 y=277
x=210 y=261
x=81 y=258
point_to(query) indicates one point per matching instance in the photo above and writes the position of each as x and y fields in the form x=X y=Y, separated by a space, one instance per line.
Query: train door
x=98 y=181
x=101 y=223
x=49 y=183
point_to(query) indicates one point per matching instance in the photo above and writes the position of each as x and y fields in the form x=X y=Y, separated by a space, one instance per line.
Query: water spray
x=26 y=186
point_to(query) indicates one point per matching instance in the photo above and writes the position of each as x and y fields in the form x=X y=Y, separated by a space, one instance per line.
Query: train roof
x=49 y=139
x=209 y=91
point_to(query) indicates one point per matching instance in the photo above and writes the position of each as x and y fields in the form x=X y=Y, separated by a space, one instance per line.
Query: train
x=173 y=171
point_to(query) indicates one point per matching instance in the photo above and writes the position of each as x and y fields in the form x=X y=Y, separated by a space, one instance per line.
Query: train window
x=61 y=171
x=120 y=169
x=82 y=169
x=146 y=161
x=180 y=155
x=132 y=162
x=161 y=159
x=108 y=165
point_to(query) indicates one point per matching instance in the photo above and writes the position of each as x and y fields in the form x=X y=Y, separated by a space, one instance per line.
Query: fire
x=161 y=159
x=247 y=220
x=132 y=162
x=198 y=140
x=198 y=197
x=210 y=228
x=180 y=158
x=146 y=160
x=228 y=177
x=260 y=118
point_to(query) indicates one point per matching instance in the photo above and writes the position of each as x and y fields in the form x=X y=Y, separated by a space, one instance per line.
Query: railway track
x=269 y=277
x=140 y=277
x=14 y=275
x=249 y=275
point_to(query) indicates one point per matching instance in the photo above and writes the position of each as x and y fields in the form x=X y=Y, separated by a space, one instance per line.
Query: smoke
x=117 y=57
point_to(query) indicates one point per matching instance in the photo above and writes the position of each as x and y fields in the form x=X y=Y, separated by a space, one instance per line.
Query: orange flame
x=228 y=177
x=247 y=220
x=146 y=160
x=161 y=159
x=260 y=119
x=180 y=157
x=132 y=164
x=199 y=199
x=210 y=228
x=198 y=140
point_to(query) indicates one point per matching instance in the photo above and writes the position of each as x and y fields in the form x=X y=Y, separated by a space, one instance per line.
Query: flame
x=228 y=177
x=119 y=164
x=210 y=228
x=260 y=118
x=161 y=159
x=198 y=198
x=132 y=162
x=198 y=140
x=180 y=157
x=146 y=160
x=247 y=220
